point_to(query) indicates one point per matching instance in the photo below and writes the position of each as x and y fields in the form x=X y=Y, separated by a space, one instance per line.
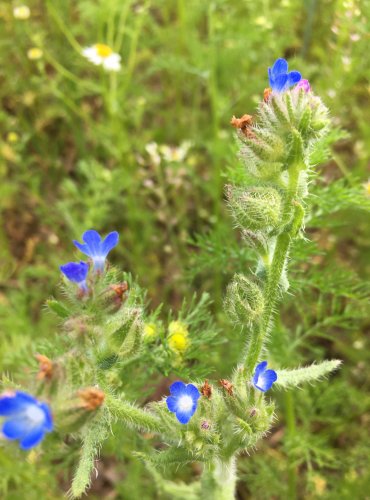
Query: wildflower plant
x=85 y=382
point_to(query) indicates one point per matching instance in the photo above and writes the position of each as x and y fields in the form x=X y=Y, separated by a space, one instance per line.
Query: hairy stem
x=291 y=431
x=274 y=273
x=219 y=480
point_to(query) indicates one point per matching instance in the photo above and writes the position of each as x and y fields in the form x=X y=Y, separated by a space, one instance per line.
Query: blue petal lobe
x=184 y=416
x=48 y=424
x=32 y=439
x=171 y=403
x=266 y=379
x=177 y=388
x=261 y=367
x=11 y=405
x=280 y=66
x=16 y=428
x=193 y=392
x=280 y=82
x=93 y=240
x=293 y=78
x=109 y=242
x=75 y=271
x=82 y=247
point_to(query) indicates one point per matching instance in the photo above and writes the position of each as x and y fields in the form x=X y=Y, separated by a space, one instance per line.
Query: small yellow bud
x=178 y=342
x=22 y=12
x=178 y=336
x=177 y=327
x=34 y=54
x=12 y=137
x=150 y=331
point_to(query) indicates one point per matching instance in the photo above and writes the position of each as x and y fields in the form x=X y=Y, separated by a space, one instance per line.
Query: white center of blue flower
x=185 y=403
x=35 y=415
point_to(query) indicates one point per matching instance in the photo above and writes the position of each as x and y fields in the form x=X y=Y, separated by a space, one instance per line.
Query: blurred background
x=147 y=151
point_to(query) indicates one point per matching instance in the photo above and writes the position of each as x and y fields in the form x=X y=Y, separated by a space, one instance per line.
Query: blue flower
x=279 y=77
x=183 y=401
x=26 y=419
x=96 y=248
x=76 y=272
x=263 y=378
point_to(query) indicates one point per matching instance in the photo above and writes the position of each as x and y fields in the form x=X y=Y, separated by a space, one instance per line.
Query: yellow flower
x=22 y=12
x=178 y=337
x=34 y=54
x=150 y=331
x=178 y=342
x=12 y=137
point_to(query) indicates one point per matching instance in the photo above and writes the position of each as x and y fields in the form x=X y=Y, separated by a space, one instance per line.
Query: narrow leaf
x=292 y=378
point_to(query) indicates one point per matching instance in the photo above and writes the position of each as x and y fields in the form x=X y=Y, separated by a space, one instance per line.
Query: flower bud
x=114 y=296
x=206 y=390
x=244 y=300
x=150 y=332
x=91 y=398
x=45 y=367
x=178 y=339
x=257 y=208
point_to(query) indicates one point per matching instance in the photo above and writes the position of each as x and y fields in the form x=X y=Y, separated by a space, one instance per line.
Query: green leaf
x=131 y=415
x=293 y=378
x=57 y=308
x=95 y=434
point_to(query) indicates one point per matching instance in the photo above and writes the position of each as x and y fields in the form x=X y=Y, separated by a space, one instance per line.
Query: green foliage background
x=80 y=161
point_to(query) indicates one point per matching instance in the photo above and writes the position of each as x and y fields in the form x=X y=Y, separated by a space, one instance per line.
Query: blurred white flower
x=175 y=154
x=102 y=55
x=152 y=149
x=22 y=12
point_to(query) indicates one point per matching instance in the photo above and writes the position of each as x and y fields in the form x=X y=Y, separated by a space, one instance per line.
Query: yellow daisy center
x=103 y=50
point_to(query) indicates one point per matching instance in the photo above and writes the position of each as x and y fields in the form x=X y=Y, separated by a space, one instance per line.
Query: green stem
x=274 y=272
x=291 y=431
x=219 y=480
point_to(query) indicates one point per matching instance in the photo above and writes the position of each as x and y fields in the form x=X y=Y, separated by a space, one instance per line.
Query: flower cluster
x=183 y=400
x=95 y=248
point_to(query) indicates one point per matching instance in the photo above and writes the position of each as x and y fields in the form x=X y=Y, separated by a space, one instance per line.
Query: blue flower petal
x=93 y=239
x=193 y=392
x=25 y=398
x=184 y=416
x=172 y=403
x=261 y=367
x=12 y=405
x=262 y=378
x=75 y=271
x=16 y=428
x=177 y=388
x=109 y=242
x=293 y=78
x=266 y=379
x=83 y=248
x=48 y=425
x=280 y=82
x=32 y=439
x=280 y=66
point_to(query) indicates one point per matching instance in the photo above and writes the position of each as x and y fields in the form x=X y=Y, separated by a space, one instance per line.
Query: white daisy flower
x=102 y=55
